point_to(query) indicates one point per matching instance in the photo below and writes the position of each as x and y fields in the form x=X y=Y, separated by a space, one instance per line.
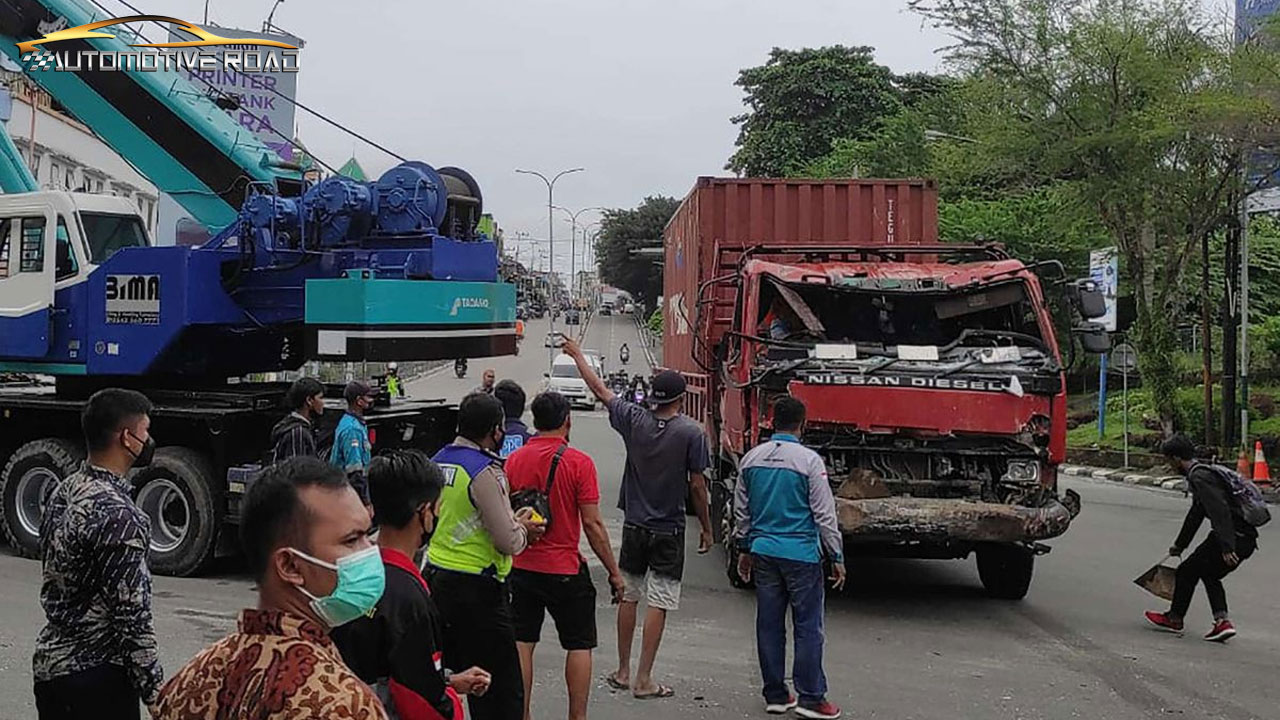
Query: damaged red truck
x=932 y=372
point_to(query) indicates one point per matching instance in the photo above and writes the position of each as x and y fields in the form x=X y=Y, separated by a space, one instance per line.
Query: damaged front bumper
x=909 y=520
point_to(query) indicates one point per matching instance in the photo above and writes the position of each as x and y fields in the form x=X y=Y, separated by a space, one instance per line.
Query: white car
x=565 y=379
x=629 y=309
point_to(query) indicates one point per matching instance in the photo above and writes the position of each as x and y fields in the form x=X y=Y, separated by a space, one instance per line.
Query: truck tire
x=183 y=499
x=731 y=553
x=1006 y=570
x=25 y=484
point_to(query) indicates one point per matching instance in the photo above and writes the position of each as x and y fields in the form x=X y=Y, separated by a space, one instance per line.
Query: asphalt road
x=909 y=640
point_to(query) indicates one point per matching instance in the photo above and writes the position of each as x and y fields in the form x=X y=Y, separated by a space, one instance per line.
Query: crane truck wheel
x=180 y=495
x=25 y=484
x=1005 y=570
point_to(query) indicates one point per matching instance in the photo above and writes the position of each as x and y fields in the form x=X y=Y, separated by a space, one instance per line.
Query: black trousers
x=101 y=692
x=479 y=632
x=1207 y=566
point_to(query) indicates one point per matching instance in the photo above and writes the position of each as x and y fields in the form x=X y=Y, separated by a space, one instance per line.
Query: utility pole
x=1244 y=320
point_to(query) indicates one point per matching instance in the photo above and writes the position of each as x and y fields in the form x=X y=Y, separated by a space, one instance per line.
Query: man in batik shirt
x=306 y=536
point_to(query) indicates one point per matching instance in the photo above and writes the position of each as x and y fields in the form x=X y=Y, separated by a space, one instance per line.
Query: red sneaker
x=822 y=711
x=1162 y=621
x=1222 y=631
x=782 y=708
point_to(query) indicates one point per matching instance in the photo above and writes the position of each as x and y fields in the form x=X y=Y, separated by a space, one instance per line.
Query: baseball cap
x=356 y=389
x=668 y=386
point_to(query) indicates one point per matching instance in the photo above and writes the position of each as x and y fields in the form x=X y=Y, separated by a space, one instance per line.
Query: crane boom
x=15 y=176
x=170 y=130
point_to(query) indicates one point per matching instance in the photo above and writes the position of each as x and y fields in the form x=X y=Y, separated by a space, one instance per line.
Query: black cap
x=668 y=386
x=357 y=389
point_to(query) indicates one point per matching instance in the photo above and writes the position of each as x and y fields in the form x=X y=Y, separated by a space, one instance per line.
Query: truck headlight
x=1023 y=472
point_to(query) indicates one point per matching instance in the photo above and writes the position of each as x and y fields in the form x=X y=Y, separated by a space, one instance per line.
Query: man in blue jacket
x=785 y=518
x=351 y=446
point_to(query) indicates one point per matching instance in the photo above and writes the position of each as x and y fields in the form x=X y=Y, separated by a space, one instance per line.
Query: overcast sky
x=639 y=92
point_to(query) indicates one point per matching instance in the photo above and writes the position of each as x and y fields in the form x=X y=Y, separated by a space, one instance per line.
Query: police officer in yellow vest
x=394 y=388
x=470 y=556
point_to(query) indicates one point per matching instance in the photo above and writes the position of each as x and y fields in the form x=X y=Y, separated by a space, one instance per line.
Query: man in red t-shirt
x=551 y=575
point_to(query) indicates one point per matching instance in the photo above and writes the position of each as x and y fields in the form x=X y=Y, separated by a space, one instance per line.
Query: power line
x=295 y=103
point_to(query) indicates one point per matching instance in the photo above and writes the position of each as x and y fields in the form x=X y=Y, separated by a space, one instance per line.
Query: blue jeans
x=779 y=584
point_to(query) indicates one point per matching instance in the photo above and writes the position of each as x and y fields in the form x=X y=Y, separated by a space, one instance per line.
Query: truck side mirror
x=1093 y=338
x=1088 y=299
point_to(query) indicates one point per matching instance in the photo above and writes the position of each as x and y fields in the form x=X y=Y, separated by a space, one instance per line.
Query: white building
x=68 y=155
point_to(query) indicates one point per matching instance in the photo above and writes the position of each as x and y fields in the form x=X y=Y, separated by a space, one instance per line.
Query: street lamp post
x=573 y=247
x=551 y=229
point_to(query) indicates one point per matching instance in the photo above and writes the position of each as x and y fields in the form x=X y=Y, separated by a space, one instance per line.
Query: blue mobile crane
x=340 y=270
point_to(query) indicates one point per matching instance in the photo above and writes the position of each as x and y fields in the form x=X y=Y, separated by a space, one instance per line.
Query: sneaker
x=822 y=711
x=1222 y=631
x=782 y=708
x=1162 y=621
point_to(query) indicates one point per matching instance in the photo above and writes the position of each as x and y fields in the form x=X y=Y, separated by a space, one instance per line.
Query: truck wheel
x=181 y=497
x=731 y=553
x=1005 y=570
x=25 y=485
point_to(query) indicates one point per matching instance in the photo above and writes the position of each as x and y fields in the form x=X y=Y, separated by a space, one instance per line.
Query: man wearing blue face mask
x=305 y=535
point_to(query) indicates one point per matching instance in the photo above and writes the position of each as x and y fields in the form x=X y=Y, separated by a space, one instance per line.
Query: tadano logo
x=477 y=303
x=276 y=57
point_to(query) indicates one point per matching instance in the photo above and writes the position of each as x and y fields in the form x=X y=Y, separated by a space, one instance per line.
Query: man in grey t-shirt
x=666 y=456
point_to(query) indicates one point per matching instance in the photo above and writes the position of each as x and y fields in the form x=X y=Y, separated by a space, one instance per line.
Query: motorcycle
x=624 y=355
x=460 y=367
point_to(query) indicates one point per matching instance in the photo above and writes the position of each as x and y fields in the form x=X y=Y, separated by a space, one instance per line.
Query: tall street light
x=589 y=240
x=551 y=228
x=573 y=247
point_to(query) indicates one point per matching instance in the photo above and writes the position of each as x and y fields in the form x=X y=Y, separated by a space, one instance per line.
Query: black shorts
x=571 y=600
x=657 y=551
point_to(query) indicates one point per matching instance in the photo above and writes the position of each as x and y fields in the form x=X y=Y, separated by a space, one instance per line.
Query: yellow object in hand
x=534 y=516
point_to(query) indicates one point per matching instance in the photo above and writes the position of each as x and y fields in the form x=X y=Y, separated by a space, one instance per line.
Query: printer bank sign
x=64 y=49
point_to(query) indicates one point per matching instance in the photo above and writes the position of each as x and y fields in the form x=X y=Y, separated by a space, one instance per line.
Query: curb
x=1164 y=482
x=1121 y=476
x=645 y=337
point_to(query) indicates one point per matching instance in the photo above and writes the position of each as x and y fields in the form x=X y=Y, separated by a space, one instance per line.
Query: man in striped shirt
x=295 y=434
x=785 y=519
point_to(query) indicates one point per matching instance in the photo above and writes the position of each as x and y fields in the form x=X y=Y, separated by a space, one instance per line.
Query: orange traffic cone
x=1243 y=464
x=1261 y=473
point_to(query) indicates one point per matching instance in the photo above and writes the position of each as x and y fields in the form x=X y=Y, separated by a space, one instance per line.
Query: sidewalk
x=1145 y=479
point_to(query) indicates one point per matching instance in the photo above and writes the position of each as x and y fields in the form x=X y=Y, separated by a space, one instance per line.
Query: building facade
x=63 y=153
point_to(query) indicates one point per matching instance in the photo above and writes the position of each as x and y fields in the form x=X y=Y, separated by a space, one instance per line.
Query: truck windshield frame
x=105 y=233
x=888 y=317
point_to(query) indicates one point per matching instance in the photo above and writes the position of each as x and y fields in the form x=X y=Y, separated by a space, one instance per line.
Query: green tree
x=801 y=101
x=624 y=231
x=1136 y=104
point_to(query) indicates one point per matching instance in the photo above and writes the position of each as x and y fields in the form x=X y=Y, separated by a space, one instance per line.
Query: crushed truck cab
x=932 y=373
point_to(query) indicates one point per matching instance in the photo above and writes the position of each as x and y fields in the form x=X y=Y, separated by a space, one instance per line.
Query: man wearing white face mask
x=305 y=534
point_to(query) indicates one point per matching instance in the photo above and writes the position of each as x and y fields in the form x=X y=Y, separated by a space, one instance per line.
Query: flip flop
x=612 y=681
x=662 y=692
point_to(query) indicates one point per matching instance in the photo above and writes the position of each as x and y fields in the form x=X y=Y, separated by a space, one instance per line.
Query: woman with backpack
x=1231 y=503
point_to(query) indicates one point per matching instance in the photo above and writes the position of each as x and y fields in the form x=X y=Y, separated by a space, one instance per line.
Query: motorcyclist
x=460 y=367
x=624 y=354
x=393 y=380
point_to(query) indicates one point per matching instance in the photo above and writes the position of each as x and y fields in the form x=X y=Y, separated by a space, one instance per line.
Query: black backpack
x=1248 y=498
x=540 y=500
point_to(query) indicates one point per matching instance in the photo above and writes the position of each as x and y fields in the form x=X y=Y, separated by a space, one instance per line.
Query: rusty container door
x=722 y=217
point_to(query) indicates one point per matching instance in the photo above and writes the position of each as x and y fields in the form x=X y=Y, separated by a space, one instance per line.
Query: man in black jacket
x=398 y=651
x=295 y=434
x=1231 y=540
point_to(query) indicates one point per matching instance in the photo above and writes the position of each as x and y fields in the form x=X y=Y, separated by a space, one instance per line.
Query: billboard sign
x=265 y=97
x=1251 y=17
x=1104 y=267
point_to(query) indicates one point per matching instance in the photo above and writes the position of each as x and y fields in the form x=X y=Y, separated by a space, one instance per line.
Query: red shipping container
x=722 y=217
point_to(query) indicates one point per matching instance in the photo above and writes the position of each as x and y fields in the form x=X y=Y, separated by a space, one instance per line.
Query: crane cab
x=50 y=242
